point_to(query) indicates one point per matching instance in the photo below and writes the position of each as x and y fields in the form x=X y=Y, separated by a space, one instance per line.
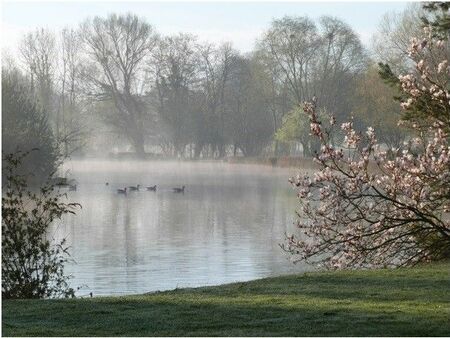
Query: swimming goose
x=178 y=190
x=152 y=188
x=134 y=188
x=122 y=191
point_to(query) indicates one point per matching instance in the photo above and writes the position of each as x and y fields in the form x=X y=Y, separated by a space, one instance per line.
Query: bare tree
x=340 y=58
x=391 y=42
x=117 y=48
x=70 y=105
x=39 y=54
x=291 y=45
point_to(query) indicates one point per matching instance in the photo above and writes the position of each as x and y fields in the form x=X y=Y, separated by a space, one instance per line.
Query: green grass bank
x=401 y=302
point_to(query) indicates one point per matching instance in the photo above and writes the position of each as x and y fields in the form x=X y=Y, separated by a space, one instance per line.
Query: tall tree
x=291 y=44
x=215 y=66
x=249 y=117
x=73 y=129
x=175 y=66
x=340 y=59
x=311 y=60
x=117 y=47
x=38 y=50
x=392 y=40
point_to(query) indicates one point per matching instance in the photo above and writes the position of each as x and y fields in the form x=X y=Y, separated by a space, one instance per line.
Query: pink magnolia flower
x=366 y=206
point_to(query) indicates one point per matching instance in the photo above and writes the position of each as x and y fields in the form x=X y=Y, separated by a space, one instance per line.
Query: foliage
x=175 y=64
x=401 y=302
x=210 y=97
x=25 y=126
x=424 y=93
x=124 y=84
x=440 y=21
x=307 y=59
x=295 y=127
x=363 y=208
x=32 y=266
x=374 y=105
x=248 y=119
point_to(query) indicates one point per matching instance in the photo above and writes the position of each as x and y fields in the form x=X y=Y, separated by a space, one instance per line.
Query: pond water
x=225 y=227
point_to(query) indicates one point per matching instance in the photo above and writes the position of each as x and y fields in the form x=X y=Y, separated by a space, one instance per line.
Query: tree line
x=118 y=76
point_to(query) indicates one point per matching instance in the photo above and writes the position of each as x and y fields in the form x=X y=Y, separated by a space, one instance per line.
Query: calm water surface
x=226 y=227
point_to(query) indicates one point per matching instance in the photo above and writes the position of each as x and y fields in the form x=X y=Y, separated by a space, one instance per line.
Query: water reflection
x=226 y=227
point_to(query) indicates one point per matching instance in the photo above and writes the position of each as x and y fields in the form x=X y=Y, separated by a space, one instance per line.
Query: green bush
x=25 y=126
x=32 y=265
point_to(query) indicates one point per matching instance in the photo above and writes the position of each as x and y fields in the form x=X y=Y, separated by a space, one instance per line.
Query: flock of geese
x=73 y=187
x=125 y=190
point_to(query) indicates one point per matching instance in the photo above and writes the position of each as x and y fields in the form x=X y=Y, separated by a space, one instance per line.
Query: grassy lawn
x=403 y=302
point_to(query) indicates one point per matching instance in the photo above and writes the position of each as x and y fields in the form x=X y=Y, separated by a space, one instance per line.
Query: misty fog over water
x=226 y=227
x=113 y=99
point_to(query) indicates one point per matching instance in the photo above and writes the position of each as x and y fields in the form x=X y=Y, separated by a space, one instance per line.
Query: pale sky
x=238 y=22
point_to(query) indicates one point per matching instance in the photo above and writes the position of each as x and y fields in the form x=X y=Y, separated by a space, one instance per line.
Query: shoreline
x=277 y=162
x=388 y=302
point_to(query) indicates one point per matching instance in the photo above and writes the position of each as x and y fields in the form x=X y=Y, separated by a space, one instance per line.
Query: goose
x=178 y=190
x=107 y=183
x=134 y=188
x=122 y=191
x=152 y=188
